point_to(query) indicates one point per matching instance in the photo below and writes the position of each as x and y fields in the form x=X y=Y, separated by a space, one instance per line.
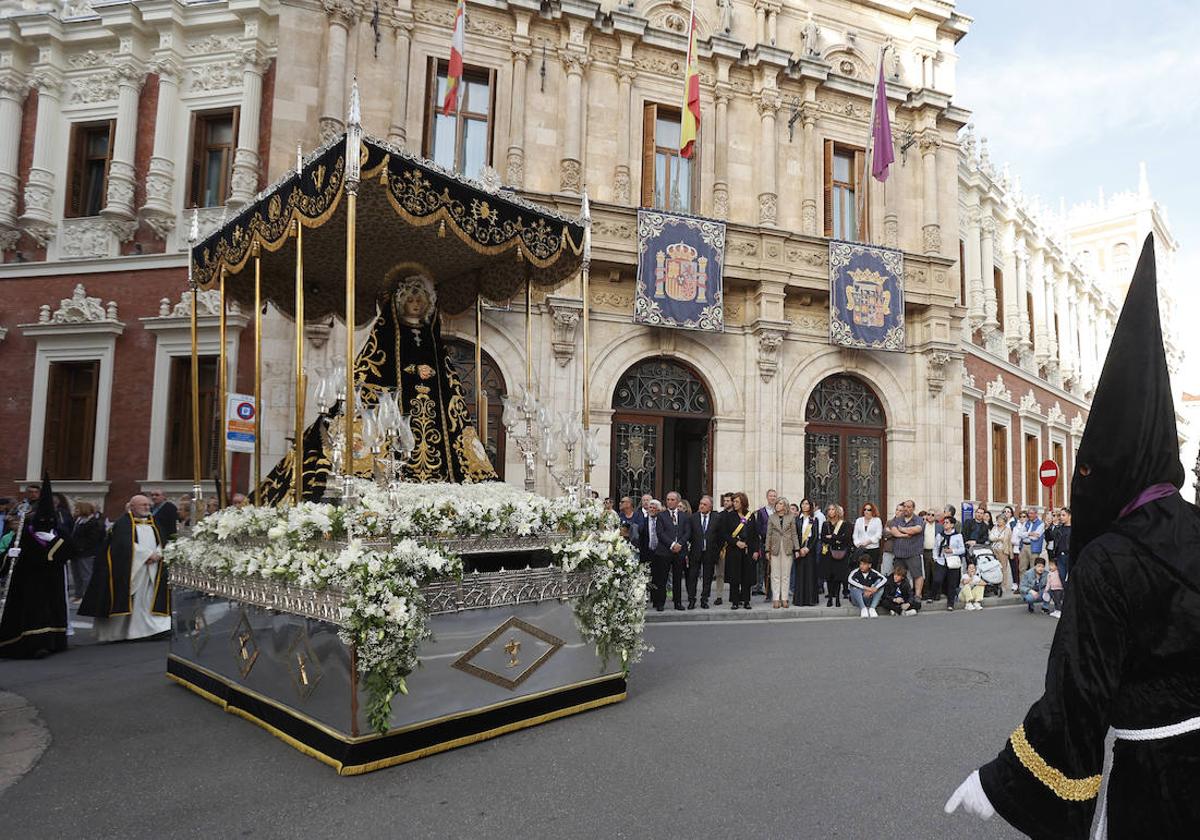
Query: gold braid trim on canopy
x=473 y=241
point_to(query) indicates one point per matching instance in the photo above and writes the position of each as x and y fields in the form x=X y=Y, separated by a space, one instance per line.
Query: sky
x=1074 y=94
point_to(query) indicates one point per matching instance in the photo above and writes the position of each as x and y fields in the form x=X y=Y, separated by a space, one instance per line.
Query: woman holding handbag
x=741 y=544
x=782 y=550
x=837 y=539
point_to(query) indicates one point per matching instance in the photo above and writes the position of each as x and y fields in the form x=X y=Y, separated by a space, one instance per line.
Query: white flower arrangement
x=380 y=551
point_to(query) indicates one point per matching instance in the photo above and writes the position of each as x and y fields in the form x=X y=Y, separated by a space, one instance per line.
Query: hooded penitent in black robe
x=414 y=359
x=108 y=594
x=1126 y=652
x=34 y=618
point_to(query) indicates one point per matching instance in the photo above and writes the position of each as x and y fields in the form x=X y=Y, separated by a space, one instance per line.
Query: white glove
x=971 y=797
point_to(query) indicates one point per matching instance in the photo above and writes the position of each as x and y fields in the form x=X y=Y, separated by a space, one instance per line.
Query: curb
x=765 y=612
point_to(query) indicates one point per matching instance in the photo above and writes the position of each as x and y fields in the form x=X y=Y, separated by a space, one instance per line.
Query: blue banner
x=680 y=259
x=866 y=296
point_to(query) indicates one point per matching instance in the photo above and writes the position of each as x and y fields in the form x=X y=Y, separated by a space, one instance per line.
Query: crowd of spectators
x=795 y=554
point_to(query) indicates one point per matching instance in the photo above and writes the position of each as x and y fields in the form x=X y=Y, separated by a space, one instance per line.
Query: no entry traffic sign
x=1049 y=473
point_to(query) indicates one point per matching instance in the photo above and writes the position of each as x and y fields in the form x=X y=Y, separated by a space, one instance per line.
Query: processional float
x=398 y=619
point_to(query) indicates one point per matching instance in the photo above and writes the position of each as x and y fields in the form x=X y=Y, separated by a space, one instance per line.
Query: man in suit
x=646 y=545
x=761 y=586
x=673 y=532
x=640 y=515
x=166 y=515
x=704 y=551
x=724 y=526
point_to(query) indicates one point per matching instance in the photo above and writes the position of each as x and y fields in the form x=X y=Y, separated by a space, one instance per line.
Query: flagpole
x=868 y=160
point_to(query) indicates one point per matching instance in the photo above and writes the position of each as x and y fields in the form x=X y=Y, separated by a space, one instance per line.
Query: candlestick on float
x=298 y=449
x=197 y=505
x=257 y=251
x=353 y=174
x=222 y=390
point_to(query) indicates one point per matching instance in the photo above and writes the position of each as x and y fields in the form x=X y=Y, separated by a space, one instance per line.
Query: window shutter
x=75 y=176
x=431 y=105
x=227 y=175
x=861 y=226
x=649 y=114
x=828 y=204
x=491 y=120
x=112 y=138
x=197 y=132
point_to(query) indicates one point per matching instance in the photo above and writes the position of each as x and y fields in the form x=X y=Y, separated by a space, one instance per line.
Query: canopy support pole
x=353 y=176
x=257 y=372
x=585 y=278
x=481 y=401
x=298 y=443
x=222 y=398
x=197 y=488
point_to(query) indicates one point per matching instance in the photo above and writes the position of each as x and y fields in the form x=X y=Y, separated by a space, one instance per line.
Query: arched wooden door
x=845 y=446
x=662 y=431
x=462 y=356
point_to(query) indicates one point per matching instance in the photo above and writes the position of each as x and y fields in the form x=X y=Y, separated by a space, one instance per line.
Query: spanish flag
x=455 y=70
x=690 y=122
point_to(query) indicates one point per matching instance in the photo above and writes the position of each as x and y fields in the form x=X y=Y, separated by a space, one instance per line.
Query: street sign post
x=1049 y=473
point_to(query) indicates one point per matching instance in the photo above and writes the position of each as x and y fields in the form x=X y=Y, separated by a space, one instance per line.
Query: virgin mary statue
x=404 y=353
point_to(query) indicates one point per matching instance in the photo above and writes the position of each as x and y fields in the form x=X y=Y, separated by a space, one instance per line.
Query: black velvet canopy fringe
x=470 y=240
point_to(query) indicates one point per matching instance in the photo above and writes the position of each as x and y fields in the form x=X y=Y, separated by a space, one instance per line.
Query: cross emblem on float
x=512 y=649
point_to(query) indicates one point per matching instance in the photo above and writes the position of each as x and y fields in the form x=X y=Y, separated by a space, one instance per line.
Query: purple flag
x=883 y=154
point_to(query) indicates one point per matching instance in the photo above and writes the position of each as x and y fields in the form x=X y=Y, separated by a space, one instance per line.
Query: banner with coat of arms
x=680 y=259
x=866 y=296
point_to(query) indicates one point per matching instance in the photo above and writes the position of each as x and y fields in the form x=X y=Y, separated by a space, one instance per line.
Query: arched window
x=845 y=446
x=662 y=431
x=462 y=356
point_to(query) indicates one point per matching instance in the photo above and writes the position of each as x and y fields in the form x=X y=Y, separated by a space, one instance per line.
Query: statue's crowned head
x=415 y=292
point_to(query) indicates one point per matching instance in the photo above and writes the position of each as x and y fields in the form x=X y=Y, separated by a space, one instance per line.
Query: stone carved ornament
x=78 y=309
x=209 y=305
x=997 y=390
x=1029 y=403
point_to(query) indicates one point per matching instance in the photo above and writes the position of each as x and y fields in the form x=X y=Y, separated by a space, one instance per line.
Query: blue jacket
x=1031 y=581
x=1037 y=534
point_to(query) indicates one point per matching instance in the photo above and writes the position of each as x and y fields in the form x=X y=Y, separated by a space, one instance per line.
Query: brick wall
x=137 y=294
x=985 y=372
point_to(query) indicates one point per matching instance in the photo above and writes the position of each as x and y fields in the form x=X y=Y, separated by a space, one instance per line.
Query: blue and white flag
x=866 y=296
x=680 y=259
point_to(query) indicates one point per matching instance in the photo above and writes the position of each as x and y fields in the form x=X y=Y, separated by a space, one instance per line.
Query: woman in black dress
x=837 y=538
x=741 y=544
x=808 y=529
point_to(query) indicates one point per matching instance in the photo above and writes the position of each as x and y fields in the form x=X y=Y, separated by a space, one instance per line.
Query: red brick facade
x=137 y=294
x=984 y=372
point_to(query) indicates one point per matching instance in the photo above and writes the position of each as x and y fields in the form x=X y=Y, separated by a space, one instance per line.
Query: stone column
x=1011 y=317
x=159 y=210
x=760 y=23
x=622 y=180
x=342 y=16
x=1037 y=287
x=992 y=319
x=13 y=89
x=398 y=121
x=813 y=183
x=119 y=203
x=570 y=170
x=721 y=175
x=1050 y=308
x=516 y=120
x=931 y=231
x=768 y=194
x=1024 y=344
x=1066 y=346
x=38 y=219
x=976 y=307
x=773 y=23
x=246 y=166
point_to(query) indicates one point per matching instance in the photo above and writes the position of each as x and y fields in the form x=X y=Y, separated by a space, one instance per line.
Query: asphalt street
x=821 y=728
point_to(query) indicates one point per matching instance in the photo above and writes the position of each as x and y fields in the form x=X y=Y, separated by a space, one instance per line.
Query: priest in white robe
x=128 y=595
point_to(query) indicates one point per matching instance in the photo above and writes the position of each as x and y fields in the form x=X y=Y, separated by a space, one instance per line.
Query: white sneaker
x=873 y=612
x=864 y=613
x=1056 y=614
x=909 y=612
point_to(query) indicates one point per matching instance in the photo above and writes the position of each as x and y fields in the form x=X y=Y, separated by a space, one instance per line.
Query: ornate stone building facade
x=578 y=93
x=115 y=119
x=559 y=96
